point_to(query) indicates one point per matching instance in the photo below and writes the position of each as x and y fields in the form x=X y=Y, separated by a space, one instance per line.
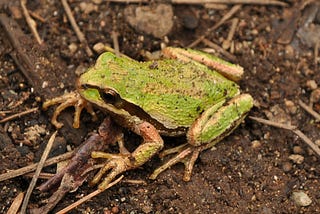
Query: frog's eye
x=109 y=96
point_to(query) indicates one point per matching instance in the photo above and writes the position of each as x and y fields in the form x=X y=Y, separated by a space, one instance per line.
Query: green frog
x=187 y=93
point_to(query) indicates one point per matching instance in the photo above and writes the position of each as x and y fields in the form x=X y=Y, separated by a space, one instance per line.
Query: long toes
x=102 y=171
x=178 y=158
x=190 y=163
x=177 y=149
x=119 y=167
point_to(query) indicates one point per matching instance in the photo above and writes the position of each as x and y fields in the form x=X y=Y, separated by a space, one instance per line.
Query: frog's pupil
x=108 y=97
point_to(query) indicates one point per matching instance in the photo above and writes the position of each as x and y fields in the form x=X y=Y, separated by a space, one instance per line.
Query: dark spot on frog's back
x=102 y=76
x=225 y=92
x=153 y=65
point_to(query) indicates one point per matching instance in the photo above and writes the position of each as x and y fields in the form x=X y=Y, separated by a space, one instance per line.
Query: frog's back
x=172 y=92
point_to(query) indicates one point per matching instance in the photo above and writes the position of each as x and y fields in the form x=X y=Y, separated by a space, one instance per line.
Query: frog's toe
x=187 y=154
x=67 y=100
x=116 y=164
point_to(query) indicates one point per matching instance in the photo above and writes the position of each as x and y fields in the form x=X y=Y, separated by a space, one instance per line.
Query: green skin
x=168 y=97
x=172 y=97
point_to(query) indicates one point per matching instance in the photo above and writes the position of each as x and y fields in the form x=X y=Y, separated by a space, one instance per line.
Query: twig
x=37 y=16
x=259 y=2
x=228 y=15
x=130 y=181
x=36 y=175
x=227 y=42
x=309 y=110
x=43 y=175
x=32 y=167
x=76 y=28
x=219 y=49
x=115 y=41
x=16 y=204
x=20 y=114
x=87 y=197
x=294 y=129
x=316 y=53
x=32 y=24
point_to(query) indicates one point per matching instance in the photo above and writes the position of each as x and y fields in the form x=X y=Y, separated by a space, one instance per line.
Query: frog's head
x=97 y=86
x=100 y=96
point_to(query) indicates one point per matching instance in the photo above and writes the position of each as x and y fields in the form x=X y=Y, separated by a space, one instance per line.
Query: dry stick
x=16 y=204
x=219 y=49
x=260 y=2
x=11 y=117
x=316 y=53
x=32 y=167
x=115 y=41
x=75 y=27
x=232 y=11
x=37 y=16
x=42 y=175
x=136 y=182
x=88 y=197
x=294 y=129
x=309 y=110
x=36 y=175
x=227 y=43
x=32 y=24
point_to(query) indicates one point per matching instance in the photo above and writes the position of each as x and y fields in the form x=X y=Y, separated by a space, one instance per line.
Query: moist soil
x=256 y=169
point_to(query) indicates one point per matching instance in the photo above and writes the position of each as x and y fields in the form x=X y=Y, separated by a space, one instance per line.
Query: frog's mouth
x=109 y=100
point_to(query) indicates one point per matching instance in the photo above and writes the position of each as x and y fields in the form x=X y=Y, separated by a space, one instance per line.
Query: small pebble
x=99 y=47
x=315 y=96
x=115 y=209
x=286 y=166
x=289 y=52
x=255 y=144
x=97 y=1
x=298 y=159
x=88 y=7
x=301 y=199
x=290 y=106
x=190 y=22
x=254 y=32
x=311 y=84
x=73 y=47
x=317 y=142
x=80 y=69
x=297 y=150
x=106 y=211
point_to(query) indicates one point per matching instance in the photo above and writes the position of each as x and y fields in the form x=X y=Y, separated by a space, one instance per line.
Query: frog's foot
x=65 y=101
x=116 y=164
x=186 y=154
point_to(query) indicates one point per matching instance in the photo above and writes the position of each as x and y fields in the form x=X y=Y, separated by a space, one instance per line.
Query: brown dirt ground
x=249 y=172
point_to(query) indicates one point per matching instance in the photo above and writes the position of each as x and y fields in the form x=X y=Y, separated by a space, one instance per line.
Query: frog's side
x=168 y=97
x=169 y=94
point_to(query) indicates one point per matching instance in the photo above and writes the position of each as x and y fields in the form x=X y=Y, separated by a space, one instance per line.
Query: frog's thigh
x=220 y=120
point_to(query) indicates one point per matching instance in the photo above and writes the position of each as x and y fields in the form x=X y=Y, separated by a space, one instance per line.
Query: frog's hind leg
x=211 y=127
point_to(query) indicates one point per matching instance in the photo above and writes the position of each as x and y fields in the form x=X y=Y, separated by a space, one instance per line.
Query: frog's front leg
x=118 y=163
x=211 y=127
